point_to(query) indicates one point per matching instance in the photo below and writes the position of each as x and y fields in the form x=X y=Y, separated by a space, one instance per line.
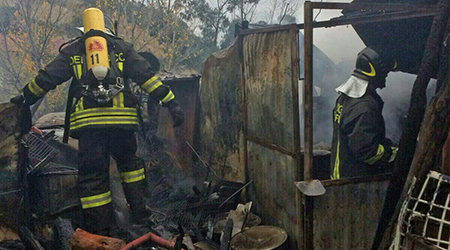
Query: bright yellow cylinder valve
x=96 y=46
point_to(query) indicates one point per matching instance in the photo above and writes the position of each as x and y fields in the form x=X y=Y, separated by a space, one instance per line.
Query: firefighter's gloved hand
x=176 y=112
x=18 y=100
x=24 y=118
x=394 y=154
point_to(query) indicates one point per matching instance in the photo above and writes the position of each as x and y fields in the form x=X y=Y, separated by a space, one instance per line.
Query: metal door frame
x=406 y=11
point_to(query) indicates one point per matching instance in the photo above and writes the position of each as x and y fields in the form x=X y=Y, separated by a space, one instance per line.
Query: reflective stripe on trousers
x=133 y=176
x=96 y=200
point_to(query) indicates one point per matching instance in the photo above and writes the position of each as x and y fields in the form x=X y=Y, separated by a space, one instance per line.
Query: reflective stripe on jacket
x=359 y=146
x=87 y=113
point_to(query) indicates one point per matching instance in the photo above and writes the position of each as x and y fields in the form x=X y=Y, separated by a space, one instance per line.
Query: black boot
x=135 y=197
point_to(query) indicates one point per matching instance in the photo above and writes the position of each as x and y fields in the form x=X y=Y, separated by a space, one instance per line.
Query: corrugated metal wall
x=221 y=138
x=186 y=92
x=346 y=216
x=265 y=115
x=270 y=128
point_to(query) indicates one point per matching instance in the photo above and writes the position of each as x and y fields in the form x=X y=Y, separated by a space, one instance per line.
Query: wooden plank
x=340 y=182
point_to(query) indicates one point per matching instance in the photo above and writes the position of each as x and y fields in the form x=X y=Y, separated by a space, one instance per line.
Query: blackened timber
x=307 y=91
x=369 y=19
x=373 y=6
x=295 y=60
x=308 y=125
x=411 y=128
x=244 y=107
x=363 y=179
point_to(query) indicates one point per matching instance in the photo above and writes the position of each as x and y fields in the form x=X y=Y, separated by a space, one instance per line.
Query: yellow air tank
x=96 y=46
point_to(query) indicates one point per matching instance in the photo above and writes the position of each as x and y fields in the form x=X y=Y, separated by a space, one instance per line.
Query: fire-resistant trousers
x=95 y=148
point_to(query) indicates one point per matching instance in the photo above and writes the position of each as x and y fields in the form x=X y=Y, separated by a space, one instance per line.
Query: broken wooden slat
x=407 y=144
x=82 y=240
x=446 y=156
x=414 y=243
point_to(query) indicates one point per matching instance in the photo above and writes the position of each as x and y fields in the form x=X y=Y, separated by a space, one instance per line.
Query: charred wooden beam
x=408 y=141
x=373 y=6
x=87 y=241
x=377 y=18
x=308 y=125
x=413 y=243
x=446 y=156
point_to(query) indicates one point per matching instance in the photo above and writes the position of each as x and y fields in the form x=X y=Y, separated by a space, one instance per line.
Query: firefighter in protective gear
x=359 y=145
x=105 y=125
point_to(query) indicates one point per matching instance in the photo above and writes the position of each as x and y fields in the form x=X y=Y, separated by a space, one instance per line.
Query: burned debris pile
x=191 y=211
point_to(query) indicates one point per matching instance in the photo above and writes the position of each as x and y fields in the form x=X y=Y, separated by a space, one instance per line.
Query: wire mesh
x=39 y=150
x=193 y=215
x=425 y=212
x=172 y=200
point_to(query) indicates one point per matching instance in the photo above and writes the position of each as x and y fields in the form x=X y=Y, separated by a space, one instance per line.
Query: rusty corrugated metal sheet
x=268 y=81
x=186 y=92
x=346 y=216
x=221 y=137
x=272 y=146
x=273 y=191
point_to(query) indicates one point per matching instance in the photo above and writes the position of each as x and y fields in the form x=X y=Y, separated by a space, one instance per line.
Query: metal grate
x=426 y=212
x=39 y=151
x=192 y=215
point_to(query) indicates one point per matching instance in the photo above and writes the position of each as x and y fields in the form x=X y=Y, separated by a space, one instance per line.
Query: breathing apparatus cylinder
x=96 y=46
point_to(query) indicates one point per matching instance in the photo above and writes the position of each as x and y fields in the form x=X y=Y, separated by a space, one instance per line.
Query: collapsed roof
x=405 y=38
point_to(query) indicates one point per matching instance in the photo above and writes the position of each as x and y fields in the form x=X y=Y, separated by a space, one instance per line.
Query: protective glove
x=394 y=154
x=24 y=118
x=18 y=100
x=176 y=112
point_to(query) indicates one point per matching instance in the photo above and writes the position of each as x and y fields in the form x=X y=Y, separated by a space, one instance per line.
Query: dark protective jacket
x=359 y=145
x=87 y=113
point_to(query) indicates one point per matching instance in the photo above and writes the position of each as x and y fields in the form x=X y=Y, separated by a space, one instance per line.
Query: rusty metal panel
x=346 y=216
x=221 y=126
x=269 y=62
x=273 y=191
x=268 y=84
x=186 y=92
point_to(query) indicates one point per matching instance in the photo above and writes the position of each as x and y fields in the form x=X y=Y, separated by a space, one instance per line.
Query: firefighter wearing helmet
x=103 y=116
x=359 y=144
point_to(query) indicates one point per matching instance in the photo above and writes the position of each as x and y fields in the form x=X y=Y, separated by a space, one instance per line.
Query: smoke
x=341 y=45
x=396 y=96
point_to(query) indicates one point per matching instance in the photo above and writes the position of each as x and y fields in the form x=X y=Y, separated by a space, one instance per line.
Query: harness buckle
x=102 y=95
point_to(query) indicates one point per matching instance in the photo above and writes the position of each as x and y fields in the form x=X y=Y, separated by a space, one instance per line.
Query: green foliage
x=229 y=34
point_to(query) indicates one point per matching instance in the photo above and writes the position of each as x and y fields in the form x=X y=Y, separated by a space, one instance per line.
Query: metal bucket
x=260 y=238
